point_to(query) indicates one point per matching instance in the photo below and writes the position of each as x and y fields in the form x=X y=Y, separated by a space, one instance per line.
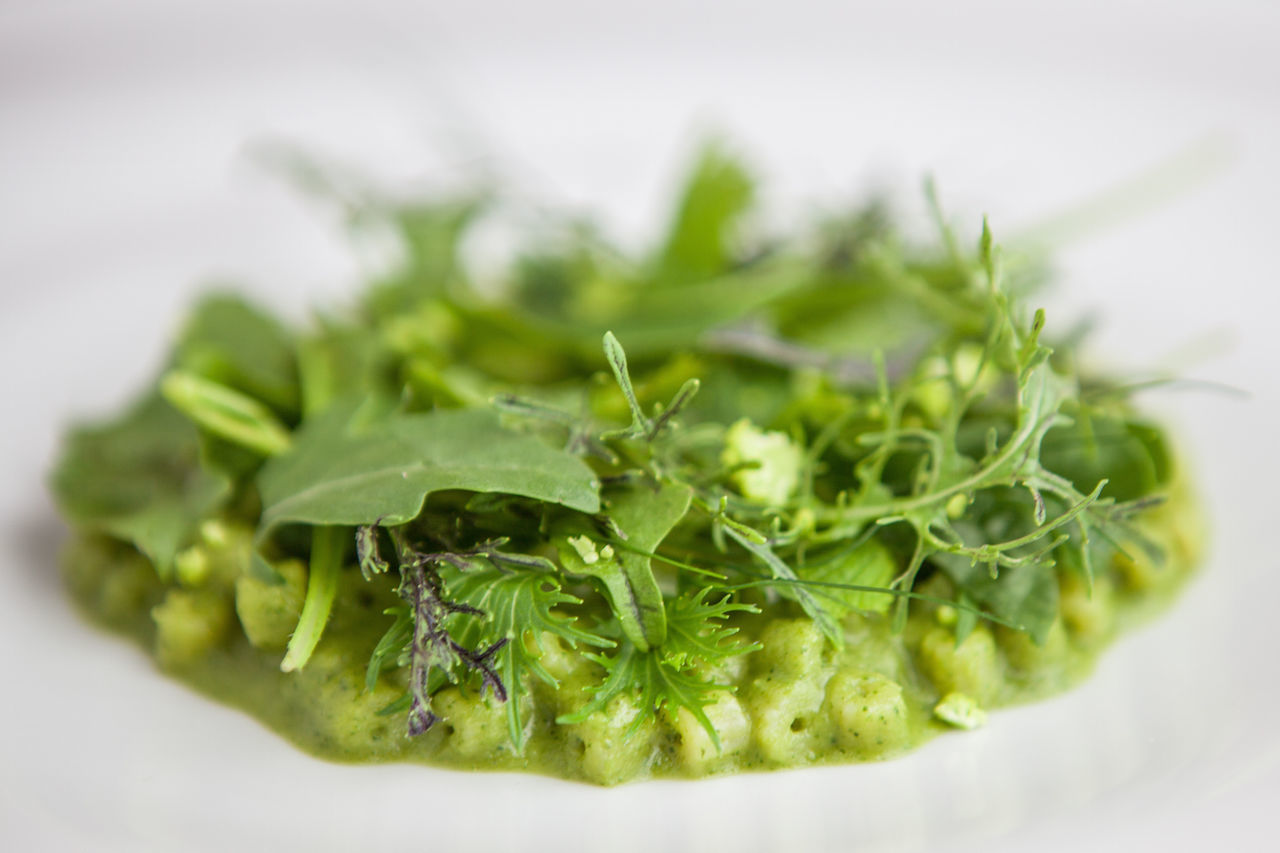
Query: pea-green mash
x=746 y=501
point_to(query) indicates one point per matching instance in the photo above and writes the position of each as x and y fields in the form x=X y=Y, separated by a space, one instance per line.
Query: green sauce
x=796 y=701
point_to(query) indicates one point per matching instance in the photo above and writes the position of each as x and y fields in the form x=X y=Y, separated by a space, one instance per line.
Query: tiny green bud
x=192 y=566
x=586 y=549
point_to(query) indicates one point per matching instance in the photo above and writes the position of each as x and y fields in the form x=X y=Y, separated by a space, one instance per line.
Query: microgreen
x=667 y=676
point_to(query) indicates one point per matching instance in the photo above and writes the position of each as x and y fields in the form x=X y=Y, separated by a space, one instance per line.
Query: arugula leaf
x=139 y=478
x=337 y=475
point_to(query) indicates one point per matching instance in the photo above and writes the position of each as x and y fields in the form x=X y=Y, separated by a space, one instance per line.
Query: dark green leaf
x=868 y=565
x=139 y=478
x=1130 y=455
x=383 y=473
x=228 y=341
x=1026 y=596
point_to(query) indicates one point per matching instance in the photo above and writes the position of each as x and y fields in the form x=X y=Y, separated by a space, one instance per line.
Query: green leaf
x=520 y=607
x=1130 y=455
x=1026 y=596
x=668 y=676
x=339 y=362
x=696 y=632
x=868 y=565
x=386 y=655
x=382 y=474
x=617 y=359
x=815 y=609
x=654 y=322
x=231 y=342
x=139 y=478
x=645 y=515
x=430 y=234
x=716 y=194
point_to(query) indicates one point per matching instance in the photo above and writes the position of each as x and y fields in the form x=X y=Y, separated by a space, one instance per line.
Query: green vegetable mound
x=746 y=501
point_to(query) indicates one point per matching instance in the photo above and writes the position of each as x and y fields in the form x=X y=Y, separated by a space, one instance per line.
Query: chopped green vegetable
x=737 y=503
x=961 y=711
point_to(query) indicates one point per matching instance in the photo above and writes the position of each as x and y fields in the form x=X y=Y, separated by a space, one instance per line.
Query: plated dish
x=127 y=193
x=743 y=502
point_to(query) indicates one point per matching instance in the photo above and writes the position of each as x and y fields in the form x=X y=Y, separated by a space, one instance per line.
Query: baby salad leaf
x=645 y=515
x=790 y=588
x=1130 y=455
x=1026 y=596
x=432 y=646
x=522 y=608
x=231 y=342
x=668 y=676
x=868 y=565
x=384 y=472
x=139 y=478
x=478 y=609
x=716 y=195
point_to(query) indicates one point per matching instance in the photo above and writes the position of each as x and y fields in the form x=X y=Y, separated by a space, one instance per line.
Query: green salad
x=745 y=501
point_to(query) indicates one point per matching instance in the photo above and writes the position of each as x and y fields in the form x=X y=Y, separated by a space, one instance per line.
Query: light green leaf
x=646 y=515
x=868 y=565
x=815 y=609
x=520 y=607
x=716 y=194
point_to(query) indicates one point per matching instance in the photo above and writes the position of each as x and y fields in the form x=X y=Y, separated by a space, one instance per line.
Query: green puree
x=797 y=701
x=740 y=503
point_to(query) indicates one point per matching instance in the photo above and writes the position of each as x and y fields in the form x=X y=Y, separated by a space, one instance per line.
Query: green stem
x=327 y=545
x=225 y=412
x=1033 y=424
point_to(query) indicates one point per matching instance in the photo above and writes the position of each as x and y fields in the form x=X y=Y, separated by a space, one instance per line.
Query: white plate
x=125 y=186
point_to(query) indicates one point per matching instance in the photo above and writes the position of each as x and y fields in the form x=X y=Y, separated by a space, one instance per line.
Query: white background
x=126 y=184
